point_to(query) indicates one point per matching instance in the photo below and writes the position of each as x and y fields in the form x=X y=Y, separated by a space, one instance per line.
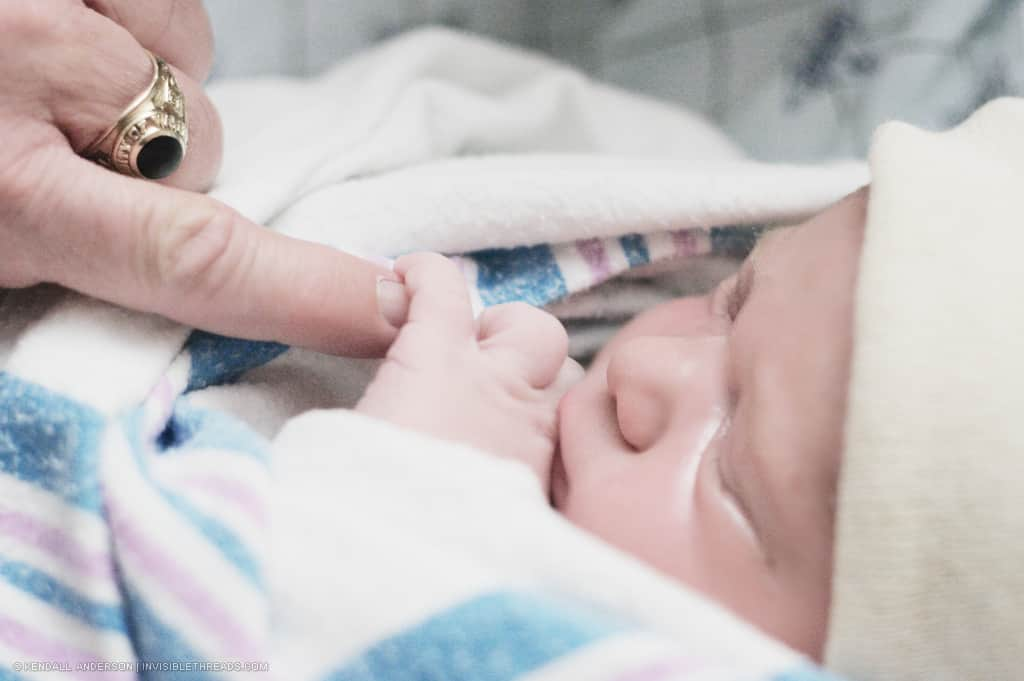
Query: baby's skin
x=705 y=438
x=492 y=382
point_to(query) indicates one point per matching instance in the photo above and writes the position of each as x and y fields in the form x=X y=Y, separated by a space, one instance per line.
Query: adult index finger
x=199 y=262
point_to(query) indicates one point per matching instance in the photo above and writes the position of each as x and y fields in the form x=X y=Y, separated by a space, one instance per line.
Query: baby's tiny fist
x=493 y=383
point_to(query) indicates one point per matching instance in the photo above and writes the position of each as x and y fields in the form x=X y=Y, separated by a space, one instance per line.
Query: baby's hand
x=493 y=383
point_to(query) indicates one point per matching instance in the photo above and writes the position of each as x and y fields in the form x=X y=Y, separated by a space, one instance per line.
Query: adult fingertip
x=392 y=301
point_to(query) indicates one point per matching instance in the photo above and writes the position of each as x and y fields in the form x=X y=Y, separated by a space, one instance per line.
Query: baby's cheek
x=632 y=511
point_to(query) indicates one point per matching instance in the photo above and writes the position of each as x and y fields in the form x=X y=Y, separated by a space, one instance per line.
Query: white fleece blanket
x=441 y=141
x=166 y=498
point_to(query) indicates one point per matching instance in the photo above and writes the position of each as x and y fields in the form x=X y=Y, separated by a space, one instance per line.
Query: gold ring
x=150 y=138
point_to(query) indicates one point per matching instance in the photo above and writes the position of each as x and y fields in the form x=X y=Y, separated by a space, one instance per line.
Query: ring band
x=150 y=138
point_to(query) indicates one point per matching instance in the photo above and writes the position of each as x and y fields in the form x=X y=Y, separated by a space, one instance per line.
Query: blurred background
x=787 y=79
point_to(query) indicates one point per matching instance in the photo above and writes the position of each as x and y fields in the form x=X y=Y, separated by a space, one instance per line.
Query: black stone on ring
x=159 y=157
x=150 y=139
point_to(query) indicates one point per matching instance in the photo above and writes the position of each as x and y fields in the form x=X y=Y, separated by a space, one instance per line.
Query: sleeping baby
x=802 y=443
x=703 y=439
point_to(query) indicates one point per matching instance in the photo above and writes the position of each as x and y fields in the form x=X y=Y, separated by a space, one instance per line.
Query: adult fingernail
x=392 y=301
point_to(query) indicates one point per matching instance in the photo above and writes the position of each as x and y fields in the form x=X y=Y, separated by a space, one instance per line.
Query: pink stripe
x=57 y=543
x=234 y=493
x=690 y=242
x=593 y=253
x=36 y=647
x=663 y=669
x=161 y=568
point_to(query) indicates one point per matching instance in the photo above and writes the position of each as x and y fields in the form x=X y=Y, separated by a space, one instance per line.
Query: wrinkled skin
x=68 y=69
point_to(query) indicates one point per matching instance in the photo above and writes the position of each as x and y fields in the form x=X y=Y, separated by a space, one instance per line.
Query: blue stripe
x=60 y=596
x=497 y=637
x=806 y=673
x=230 y=546
x=635 y=248
x=529 y=274
x=7 y=675
x=50 y=441
x=158 y=643
x=190 y=428
x=219 y=359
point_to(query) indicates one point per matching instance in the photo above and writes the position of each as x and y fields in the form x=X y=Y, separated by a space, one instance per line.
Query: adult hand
x=68 y=69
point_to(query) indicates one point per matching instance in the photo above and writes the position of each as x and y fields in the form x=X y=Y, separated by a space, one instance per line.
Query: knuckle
x=549 y=327
x=518 y=312
x=431 y=271
x=195 y=253
x=493 y=322
x=19 y=180
x=545 y=330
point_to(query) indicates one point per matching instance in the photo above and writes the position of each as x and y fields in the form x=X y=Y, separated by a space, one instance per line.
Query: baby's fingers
x=569 y=374
x=533 y=340
x=438 y=297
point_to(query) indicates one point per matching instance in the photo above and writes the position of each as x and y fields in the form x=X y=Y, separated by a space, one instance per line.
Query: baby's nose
x=665 y=383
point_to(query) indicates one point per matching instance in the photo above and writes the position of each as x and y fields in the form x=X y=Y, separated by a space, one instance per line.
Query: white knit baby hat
x=928 y=581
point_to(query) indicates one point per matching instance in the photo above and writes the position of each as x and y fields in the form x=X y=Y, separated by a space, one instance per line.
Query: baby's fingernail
x=392 y=301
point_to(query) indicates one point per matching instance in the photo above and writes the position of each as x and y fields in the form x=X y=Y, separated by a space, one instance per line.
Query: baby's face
x=706 y=436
